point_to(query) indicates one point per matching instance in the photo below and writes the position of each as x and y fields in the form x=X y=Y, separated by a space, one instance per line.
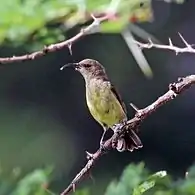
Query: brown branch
x=58 y=46
x=174 y=90
x=187 y=49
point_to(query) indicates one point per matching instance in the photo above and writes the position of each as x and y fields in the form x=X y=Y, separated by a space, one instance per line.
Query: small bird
x=105 y=103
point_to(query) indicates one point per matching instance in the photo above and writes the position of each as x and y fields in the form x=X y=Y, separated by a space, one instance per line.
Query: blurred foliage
x=135 y=180
x=34 y=183
x=46 y=20
x=23 y=20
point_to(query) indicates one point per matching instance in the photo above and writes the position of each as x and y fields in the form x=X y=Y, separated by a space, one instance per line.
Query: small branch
x=174 y=90
x=187 y=49
x=58 y=46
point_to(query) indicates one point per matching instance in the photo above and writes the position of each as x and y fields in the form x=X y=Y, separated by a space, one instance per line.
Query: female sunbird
x=104 y=102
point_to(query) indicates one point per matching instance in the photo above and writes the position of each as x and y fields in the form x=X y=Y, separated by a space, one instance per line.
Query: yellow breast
x=103 y=105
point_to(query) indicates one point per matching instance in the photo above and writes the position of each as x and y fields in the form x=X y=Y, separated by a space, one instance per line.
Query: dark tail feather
x=129 y=141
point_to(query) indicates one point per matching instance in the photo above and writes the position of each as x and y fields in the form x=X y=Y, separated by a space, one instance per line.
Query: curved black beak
x=70 y=65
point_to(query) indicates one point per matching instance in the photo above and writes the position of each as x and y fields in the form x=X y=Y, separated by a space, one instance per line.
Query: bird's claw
x=119 y=126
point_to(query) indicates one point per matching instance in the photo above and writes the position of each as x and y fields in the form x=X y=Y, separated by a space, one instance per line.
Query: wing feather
x=118 y=97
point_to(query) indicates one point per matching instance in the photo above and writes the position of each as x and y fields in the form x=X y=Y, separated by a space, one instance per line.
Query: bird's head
x=88 y=68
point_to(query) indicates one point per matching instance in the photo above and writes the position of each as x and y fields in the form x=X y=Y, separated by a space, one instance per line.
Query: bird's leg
x=102 y=138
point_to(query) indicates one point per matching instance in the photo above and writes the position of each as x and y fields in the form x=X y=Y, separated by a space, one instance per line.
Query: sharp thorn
x=73 y=187
x=170 y=42
x=185 y=42
x=70 y=48
x=94 y=18
x=134 y=107
x=89 y=155
x=92 y=178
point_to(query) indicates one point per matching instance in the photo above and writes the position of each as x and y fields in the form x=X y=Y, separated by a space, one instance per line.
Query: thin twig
x=174 y=90
x=58 y=46
x=187 y=49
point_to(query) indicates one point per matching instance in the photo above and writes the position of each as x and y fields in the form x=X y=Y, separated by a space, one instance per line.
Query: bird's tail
x=129 y=141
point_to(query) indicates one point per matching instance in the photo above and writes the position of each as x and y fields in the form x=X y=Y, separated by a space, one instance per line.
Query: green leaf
x=149 y=183
x=33 y=182
x=132 y=176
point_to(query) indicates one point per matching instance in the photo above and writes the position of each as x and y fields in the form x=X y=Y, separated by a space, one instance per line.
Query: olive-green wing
x=118 y=97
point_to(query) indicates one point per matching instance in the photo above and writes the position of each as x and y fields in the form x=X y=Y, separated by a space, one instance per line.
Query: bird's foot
x=117 y=127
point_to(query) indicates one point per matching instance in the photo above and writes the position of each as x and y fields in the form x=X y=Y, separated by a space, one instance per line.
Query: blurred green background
x=45 y=126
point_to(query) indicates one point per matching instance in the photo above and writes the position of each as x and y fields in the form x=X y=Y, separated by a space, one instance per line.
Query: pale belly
x=104 y=106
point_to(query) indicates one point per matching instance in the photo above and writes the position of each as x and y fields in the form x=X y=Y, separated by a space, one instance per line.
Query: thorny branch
x=187 y=49
x=58 y=46
x=174 y=90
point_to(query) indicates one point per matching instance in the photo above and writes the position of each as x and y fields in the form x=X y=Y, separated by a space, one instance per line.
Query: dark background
x=43 y=114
